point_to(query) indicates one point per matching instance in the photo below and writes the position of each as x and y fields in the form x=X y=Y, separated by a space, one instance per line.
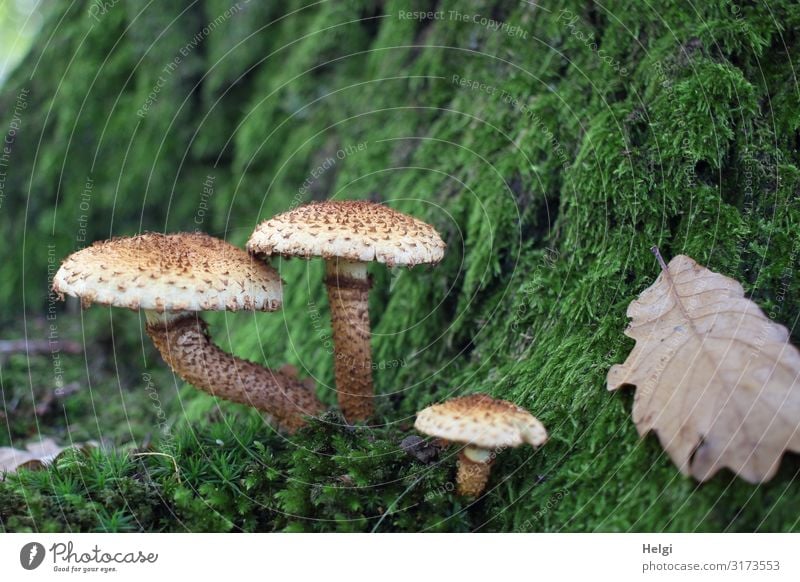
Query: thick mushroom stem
x=348 y=294
x=474 y=467
x=185 y=345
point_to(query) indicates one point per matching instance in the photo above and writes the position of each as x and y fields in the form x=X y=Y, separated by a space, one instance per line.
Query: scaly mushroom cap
x=350 y=230
x=169 y=272
x=482 y=421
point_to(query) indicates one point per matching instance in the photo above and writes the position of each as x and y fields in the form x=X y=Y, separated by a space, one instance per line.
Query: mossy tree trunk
x=552 y=145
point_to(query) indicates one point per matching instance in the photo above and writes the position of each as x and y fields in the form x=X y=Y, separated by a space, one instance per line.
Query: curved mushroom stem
x=184 y=343
x=348 y=294
x=474 y=467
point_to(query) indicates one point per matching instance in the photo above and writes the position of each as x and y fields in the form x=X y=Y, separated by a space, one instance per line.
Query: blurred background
x=20 y=20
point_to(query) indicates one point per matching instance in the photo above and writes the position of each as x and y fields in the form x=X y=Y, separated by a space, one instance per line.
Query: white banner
x=408 y=557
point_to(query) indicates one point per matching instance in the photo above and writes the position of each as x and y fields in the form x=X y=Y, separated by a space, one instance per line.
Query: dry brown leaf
x=35 y=456
x=716 y=380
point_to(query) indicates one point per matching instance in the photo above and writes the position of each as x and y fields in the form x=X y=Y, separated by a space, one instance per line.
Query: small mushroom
x=349 y=235
x=172 y=277
x=486 y=426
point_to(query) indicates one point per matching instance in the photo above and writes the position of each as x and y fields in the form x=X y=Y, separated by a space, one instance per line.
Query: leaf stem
x=657 y=253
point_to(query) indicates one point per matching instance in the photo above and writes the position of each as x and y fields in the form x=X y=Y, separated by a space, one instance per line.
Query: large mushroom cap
x=350 y=230
x=482 y=421
x=169 y=272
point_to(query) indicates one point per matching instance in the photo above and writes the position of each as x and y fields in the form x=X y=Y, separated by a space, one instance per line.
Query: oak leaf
x=715 y=379
x=36 y=455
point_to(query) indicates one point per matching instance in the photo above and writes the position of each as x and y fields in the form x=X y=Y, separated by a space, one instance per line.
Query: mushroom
x=486 y=426
x=172 y=277
x=349 y=235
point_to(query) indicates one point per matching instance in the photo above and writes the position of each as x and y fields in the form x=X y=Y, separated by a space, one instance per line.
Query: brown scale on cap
x=483 y=421
x=174 y=275
x=486 y=425
x=349 y=234
x=352 y=230
x=187 y=349
x=169 y=272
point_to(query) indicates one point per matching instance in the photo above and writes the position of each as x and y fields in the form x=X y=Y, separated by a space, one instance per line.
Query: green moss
x=550 y=184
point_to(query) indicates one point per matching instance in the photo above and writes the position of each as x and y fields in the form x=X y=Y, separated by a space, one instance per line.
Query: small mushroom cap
x=169 y=272
x=351 y=230
x=482 y=421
